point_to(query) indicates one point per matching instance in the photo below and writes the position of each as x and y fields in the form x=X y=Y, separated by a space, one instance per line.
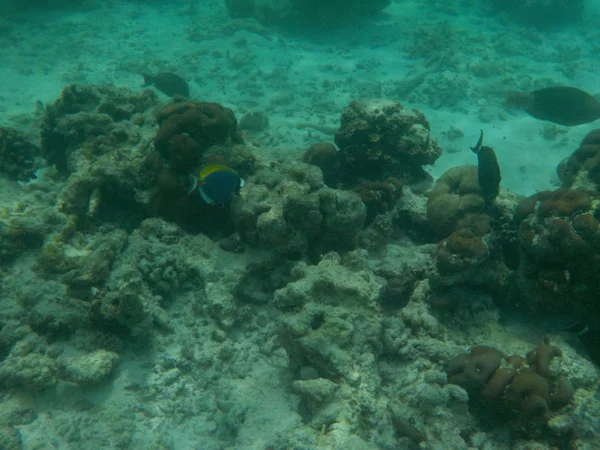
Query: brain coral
x=456 y=202
x=504 y=382
x=380 y=139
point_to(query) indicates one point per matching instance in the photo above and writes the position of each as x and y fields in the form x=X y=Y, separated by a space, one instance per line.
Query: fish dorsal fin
x=479 y=143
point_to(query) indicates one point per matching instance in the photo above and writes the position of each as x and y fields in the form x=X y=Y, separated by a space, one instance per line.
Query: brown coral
x=461 y=250
x=486 y=373
x=379 y=139
x=474 y=370
x=559 y=232
x=188 y=129
x=325 y=156
x=456 y=202
x=379 y=197
x=582 y=168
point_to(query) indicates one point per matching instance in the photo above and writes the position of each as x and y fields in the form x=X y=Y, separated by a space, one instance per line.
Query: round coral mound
x=456 y=202
x=582 y=168
x=380 y=139
x=188 y=129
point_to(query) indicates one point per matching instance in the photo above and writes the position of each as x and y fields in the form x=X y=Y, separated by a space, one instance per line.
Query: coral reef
x=460 y=251
x=17 y=155
x=20 y=234
x=329 y=311
x=380 y=139
x=478 y=250
x=504 y=381
x=87 y=370
x=379 y=197
x=89 y=121
x=188 y=129
x=456 y=202
x=581 y=170
x=82 y=262
x=559 y=233
x=292 y=210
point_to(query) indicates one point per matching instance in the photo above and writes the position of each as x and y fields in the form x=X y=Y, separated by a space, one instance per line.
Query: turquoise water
x=305 y=314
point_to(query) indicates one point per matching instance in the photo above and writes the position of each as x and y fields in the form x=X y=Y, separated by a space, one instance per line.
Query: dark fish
x=563 y=105
x=488 y=170
x=589 y=337
x=168 y=83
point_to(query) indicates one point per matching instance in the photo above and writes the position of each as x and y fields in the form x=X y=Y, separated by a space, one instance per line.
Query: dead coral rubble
x=188 y=129
x=98 y=118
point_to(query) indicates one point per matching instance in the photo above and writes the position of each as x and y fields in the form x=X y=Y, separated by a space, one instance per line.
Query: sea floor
x=198 y=387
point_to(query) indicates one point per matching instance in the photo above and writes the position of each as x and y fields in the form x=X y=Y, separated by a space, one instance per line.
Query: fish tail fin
x=517 y=100
x=577 y=328
x=148 y=79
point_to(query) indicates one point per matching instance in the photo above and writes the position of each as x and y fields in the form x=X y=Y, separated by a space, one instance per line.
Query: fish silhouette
x=563 y=105
x=168 y=83
x=488 y=170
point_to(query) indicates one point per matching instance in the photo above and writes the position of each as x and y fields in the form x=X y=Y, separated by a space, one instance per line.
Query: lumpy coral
x=559 y=232
x=379 y=197
x=582 y=168
x=379 y=139
x=98 y=118
x=17 y=154
x=505 y=382
x=324 y=155
x=292 y=209
x=456 y=202
x=559 y=236
x=461 y=250
x=188 y=129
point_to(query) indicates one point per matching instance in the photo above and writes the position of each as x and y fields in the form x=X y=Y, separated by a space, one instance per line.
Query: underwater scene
x=300 y=225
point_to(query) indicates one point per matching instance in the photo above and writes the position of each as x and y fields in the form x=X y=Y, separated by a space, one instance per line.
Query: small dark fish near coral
x=168 y=83
x=216 y=184
x=488 y=170
x=563 y=105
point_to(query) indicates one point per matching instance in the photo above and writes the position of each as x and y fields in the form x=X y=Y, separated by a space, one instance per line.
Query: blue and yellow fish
x=216 y=184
